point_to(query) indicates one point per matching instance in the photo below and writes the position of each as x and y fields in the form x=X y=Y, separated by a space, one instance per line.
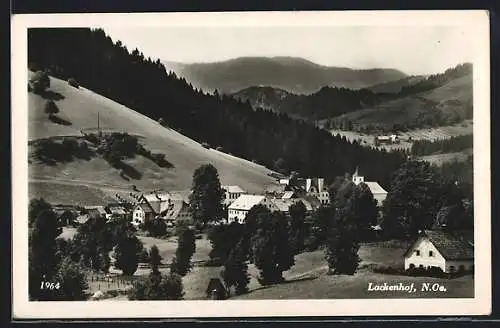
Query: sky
x=411 y=49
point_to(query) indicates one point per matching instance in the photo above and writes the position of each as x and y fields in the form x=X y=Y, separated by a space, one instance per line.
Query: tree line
x=453 y=144
x=109 y=68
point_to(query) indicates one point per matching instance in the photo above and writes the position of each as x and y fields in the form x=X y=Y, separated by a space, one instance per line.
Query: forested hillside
x=413 y=102
x=107 y=67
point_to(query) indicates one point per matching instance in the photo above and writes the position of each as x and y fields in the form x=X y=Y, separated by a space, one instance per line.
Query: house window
x=417 y=252
x=421 y=266
x=431 y=253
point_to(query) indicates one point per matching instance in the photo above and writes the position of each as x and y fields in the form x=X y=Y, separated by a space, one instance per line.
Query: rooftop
x=233 y=189
x=375 y=188
x=452 y=247
x=246 y=202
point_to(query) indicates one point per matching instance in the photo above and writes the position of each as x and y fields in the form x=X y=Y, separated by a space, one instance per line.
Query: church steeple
x=356 y=178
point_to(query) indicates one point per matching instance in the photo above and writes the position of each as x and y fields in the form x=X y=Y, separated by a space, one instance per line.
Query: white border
x=476 y=20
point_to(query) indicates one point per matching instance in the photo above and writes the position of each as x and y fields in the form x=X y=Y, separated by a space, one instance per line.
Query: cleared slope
x=81 y=107
x=453 y=97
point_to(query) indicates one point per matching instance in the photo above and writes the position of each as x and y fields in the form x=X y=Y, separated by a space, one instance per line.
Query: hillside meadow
x=92 y=179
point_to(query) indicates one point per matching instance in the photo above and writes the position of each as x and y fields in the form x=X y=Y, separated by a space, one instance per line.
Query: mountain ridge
x=292 y=74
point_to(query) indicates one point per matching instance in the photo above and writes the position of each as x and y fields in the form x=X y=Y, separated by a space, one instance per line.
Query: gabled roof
x=451 y=247
x=246 y=202
x=145 y=207
x=375 y=188
x=233 y=189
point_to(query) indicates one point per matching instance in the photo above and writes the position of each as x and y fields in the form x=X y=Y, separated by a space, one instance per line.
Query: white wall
x=138 y=216
x=424 y=246
x=236 y=215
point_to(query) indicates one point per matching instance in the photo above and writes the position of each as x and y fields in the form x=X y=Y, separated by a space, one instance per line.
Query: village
x=432 y=254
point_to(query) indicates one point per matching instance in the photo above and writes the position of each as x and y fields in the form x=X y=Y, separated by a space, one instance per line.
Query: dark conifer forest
x=107 y=67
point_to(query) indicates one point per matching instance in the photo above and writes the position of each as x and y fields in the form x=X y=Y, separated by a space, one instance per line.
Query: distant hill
x=295 y=75
x=396 y=86
x=81 y=179
x=417 y=101
x=441 y=99
x=325 y=103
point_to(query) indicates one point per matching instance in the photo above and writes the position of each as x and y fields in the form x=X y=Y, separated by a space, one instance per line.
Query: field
x=79 y=109
x=431 y=134
x=306 y=279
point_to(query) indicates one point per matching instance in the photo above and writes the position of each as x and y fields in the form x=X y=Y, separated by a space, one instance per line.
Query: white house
x=238 y=210
x=314 y=187
x=141 y=212
x=442 y=250
x=231 y=193
x=378 y=192
x=393 y=138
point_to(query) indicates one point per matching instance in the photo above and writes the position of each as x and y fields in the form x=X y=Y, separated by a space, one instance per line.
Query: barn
x=433 y=248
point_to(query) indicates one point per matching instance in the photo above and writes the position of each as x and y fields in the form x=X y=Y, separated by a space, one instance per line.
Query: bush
x=111 y=293
x=73 y=83
x=51 y=108
x=417 y=272
x=40 y=81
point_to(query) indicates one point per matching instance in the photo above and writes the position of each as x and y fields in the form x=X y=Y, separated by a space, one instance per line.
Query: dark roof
x=451 y=247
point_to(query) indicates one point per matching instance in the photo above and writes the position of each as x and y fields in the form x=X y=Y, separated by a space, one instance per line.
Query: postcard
x=251 y=164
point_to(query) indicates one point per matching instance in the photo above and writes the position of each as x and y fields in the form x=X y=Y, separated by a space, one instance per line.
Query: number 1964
x=50 y=285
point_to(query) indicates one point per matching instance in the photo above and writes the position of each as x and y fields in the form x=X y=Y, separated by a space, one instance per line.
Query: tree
x=297 y=226
x=40 y=81
x=43 y=257
x=35 y=207
x=417 y=193
x=270 y=250
x=235 y=272
x=181 y=263
x=224 y=239
x=51 y=108
x=363 y=208
x=72 y=280
x=322 y=219
x=158 y=287
x=343 y=194
x=207 y=195
x=154 y=258
x=127 y=254
x=342 y=245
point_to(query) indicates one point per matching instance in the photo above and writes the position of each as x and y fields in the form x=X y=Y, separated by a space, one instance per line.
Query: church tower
x=356 y=178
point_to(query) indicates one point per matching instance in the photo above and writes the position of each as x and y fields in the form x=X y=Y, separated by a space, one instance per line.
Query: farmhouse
x=231 y=193
x=167 y=206
x=378 y=192
x=314 y=187
x=141 y=213
x=238 y=210
x=283 y=205
x=393 y=138
x=440 y=249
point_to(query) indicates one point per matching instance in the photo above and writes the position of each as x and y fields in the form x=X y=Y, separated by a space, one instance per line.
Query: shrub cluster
x=48 y=150
x=72 y=82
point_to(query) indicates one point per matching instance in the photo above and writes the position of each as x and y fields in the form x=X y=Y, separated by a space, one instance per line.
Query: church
x=378 y=192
